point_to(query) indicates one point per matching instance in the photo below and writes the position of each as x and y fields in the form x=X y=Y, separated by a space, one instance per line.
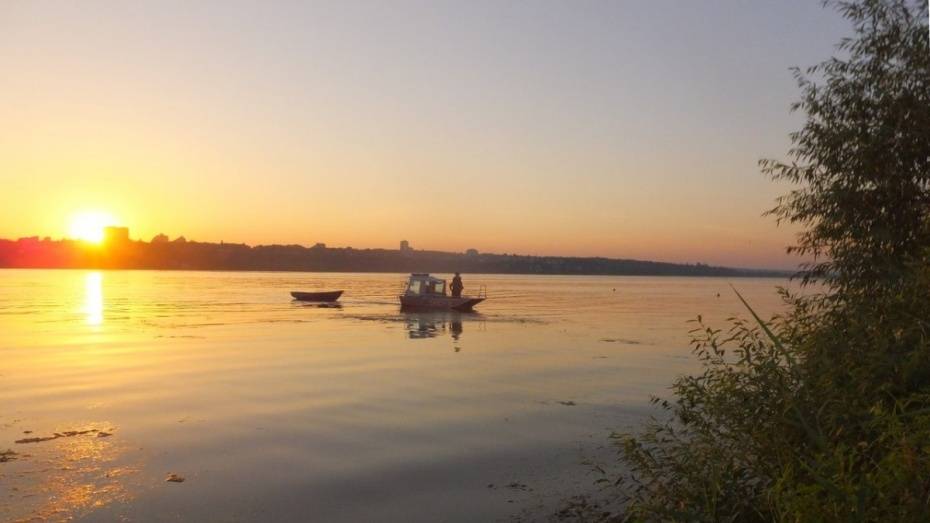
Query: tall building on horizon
x=115 y=235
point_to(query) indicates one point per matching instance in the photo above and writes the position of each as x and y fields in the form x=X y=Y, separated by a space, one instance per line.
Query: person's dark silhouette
x=457 y=286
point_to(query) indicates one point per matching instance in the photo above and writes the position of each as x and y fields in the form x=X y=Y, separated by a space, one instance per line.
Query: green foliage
x=861 y=158
x=826 y=419
x=823 y=413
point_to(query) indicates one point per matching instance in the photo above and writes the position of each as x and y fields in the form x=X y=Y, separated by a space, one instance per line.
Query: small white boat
x=424 y=292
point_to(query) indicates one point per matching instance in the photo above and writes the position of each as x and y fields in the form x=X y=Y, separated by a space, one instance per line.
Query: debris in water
x=103 y=434
x=174 y=478
x=36 y=440
x=65 y=434
x=580 y=508
x=70 y=433
x=7 y=455
x=568 y=403
x=621 y=340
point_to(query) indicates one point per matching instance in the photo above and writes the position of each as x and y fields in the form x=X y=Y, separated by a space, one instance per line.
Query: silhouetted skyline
x=118 y=251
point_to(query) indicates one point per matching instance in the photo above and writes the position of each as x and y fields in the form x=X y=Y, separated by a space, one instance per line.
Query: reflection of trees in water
x=433 y=324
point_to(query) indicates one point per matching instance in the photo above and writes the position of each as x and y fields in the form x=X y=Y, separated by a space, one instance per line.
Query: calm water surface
x=272 y=409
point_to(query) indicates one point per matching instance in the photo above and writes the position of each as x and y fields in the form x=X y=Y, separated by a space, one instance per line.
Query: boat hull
x=439 y=303
x=317 y=296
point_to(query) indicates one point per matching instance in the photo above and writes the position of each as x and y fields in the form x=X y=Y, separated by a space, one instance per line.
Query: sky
x=627 y=129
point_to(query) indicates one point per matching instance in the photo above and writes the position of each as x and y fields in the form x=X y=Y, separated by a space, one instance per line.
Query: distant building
x=115 y=235
x=405 y=246
x=471 y=252
x=160 y=238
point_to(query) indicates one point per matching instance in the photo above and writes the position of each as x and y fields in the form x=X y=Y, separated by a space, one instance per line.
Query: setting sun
x=88 y=226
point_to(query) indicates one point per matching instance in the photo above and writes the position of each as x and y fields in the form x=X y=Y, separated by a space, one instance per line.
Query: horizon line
x=181 y=239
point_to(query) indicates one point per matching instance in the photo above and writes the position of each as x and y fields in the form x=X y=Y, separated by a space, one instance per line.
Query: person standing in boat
x=457 y=286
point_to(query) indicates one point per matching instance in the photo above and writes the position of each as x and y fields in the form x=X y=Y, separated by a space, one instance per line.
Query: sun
x=89 y=226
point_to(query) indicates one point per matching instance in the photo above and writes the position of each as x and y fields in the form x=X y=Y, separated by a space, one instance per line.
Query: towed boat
x=424 y=292
x=316 y=296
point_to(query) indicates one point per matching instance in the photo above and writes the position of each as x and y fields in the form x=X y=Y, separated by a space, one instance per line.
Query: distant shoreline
x=763 y=273
x=125 y=254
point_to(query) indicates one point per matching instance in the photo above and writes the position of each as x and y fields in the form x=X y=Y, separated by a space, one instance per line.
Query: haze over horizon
x=622 y=130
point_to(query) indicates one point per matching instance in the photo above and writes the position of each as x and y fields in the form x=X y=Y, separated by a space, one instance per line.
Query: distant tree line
x=181 y=254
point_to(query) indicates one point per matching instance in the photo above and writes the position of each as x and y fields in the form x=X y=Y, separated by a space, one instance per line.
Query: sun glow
x=88 y=226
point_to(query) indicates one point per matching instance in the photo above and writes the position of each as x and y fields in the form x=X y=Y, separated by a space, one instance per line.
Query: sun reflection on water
x=93 y=298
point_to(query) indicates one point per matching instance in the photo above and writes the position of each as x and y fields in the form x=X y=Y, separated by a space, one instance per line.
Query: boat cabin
x=424 y=292
x=422 y=284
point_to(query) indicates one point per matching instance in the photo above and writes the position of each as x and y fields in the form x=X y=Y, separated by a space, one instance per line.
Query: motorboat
x=316 y=296
x=425 y=292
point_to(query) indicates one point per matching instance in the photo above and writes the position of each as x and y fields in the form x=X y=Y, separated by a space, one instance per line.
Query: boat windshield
x=419 y=286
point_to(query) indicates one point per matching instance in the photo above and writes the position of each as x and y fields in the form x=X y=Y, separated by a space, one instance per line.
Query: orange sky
x=539 y=128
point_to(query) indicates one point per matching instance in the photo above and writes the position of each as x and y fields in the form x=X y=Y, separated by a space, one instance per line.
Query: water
x=272 y=409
